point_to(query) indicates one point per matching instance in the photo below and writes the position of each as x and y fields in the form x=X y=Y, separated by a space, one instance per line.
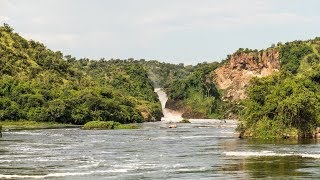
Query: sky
x=175 y=31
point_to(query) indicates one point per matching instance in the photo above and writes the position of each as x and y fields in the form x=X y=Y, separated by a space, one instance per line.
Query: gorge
x=275 y=88
x=274 y=94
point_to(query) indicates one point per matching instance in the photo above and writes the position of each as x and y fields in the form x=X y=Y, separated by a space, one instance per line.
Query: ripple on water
x=150 y=152
x=269 y=153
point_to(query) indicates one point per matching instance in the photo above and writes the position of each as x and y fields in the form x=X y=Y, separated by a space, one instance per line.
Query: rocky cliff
x=240 y=67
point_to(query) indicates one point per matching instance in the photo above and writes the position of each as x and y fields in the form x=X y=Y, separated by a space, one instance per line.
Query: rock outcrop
x=236 y=73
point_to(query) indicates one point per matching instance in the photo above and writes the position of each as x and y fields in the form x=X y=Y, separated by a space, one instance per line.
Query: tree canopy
x=286 y=103
x=40 y=84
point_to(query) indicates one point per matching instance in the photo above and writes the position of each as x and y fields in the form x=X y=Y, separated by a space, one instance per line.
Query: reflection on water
x=275 y=166
x=272 y=167
x=200 y=150
x=276 y=159
x=284 y=141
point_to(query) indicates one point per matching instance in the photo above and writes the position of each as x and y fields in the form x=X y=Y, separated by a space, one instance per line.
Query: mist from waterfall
x=169 y=114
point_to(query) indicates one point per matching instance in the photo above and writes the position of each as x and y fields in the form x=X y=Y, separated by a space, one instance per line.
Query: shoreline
x=33 y=125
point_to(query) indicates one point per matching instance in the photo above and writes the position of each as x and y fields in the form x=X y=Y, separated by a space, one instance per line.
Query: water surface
x=204 y=150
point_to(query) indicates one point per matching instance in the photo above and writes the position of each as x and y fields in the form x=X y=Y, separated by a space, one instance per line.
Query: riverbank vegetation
x=184 y=121
x=27 y=125
x=44 y=86
x=286 y=104
x=103 y=125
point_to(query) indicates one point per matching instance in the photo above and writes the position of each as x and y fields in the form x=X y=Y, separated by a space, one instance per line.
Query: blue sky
x=176 y=31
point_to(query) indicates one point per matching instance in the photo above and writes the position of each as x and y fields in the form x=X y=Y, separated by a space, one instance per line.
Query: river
x=203 y=149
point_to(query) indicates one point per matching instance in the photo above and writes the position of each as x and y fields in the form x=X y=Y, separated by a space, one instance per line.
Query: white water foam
x=269 y=154
x=111 y=171
x=169 y=114
x=201 y=137
x=67 y=174
x=5 y=176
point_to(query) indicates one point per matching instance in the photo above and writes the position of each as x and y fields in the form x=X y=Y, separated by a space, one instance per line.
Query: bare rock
x=172 y=126
x=241 y=67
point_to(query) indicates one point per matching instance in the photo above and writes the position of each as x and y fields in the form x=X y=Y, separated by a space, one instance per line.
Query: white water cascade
x=169 y=114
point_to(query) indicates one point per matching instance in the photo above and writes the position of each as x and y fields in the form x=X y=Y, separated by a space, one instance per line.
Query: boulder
x=172 y=126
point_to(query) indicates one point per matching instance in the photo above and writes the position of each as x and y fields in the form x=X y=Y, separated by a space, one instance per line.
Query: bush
x=292 y=54
x=185 y=121
x=287 y=107
x=107 y=125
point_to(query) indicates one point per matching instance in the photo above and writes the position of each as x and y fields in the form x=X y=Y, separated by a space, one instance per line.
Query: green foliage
x=39 y=84
x=184 y=121
x=24 y=124
x=190 y=86
x=286 y=104
x=162 y=74
x=281 y=102
x=107 y=125
x=197 y=91
x=291 y=54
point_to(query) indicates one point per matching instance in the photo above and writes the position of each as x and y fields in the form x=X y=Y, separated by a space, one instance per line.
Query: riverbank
x=31 y=125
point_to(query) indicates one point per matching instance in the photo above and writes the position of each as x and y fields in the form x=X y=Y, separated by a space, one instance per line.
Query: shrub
x=107 y=125
x=185 y=121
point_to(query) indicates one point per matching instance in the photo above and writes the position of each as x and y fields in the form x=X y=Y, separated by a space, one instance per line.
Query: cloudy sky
x=177 y=31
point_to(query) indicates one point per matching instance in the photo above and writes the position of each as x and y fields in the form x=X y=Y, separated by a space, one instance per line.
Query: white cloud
x=4 y=3
x=280 y=18
x=216 y=15
x=89 y=39
x=38 y=20
x=4 y=19
x=158 y=28
x=52 y=38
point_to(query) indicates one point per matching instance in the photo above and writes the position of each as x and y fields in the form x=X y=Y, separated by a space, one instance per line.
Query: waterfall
x=169 y=114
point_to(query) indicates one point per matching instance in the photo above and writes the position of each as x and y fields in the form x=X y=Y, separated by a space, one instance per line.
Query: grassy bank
x=108 y=125
x=23 y=124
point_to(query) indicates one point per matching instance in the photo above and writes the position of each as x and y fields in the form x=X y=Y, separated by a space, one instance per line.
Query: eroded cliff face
x=235 y=75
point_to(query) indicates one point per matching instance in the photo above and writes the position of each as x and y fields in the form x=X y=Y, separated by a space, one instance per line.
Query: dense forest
x=42 y=85
x=163 y=74
x=286 y=104
x=39 y=84
x=190 y=89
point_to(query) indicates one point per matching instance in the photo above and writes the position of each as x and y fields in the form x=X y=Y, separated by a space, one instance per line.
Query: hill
x=39 y=84
x=274 y=92
x=286 y=104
